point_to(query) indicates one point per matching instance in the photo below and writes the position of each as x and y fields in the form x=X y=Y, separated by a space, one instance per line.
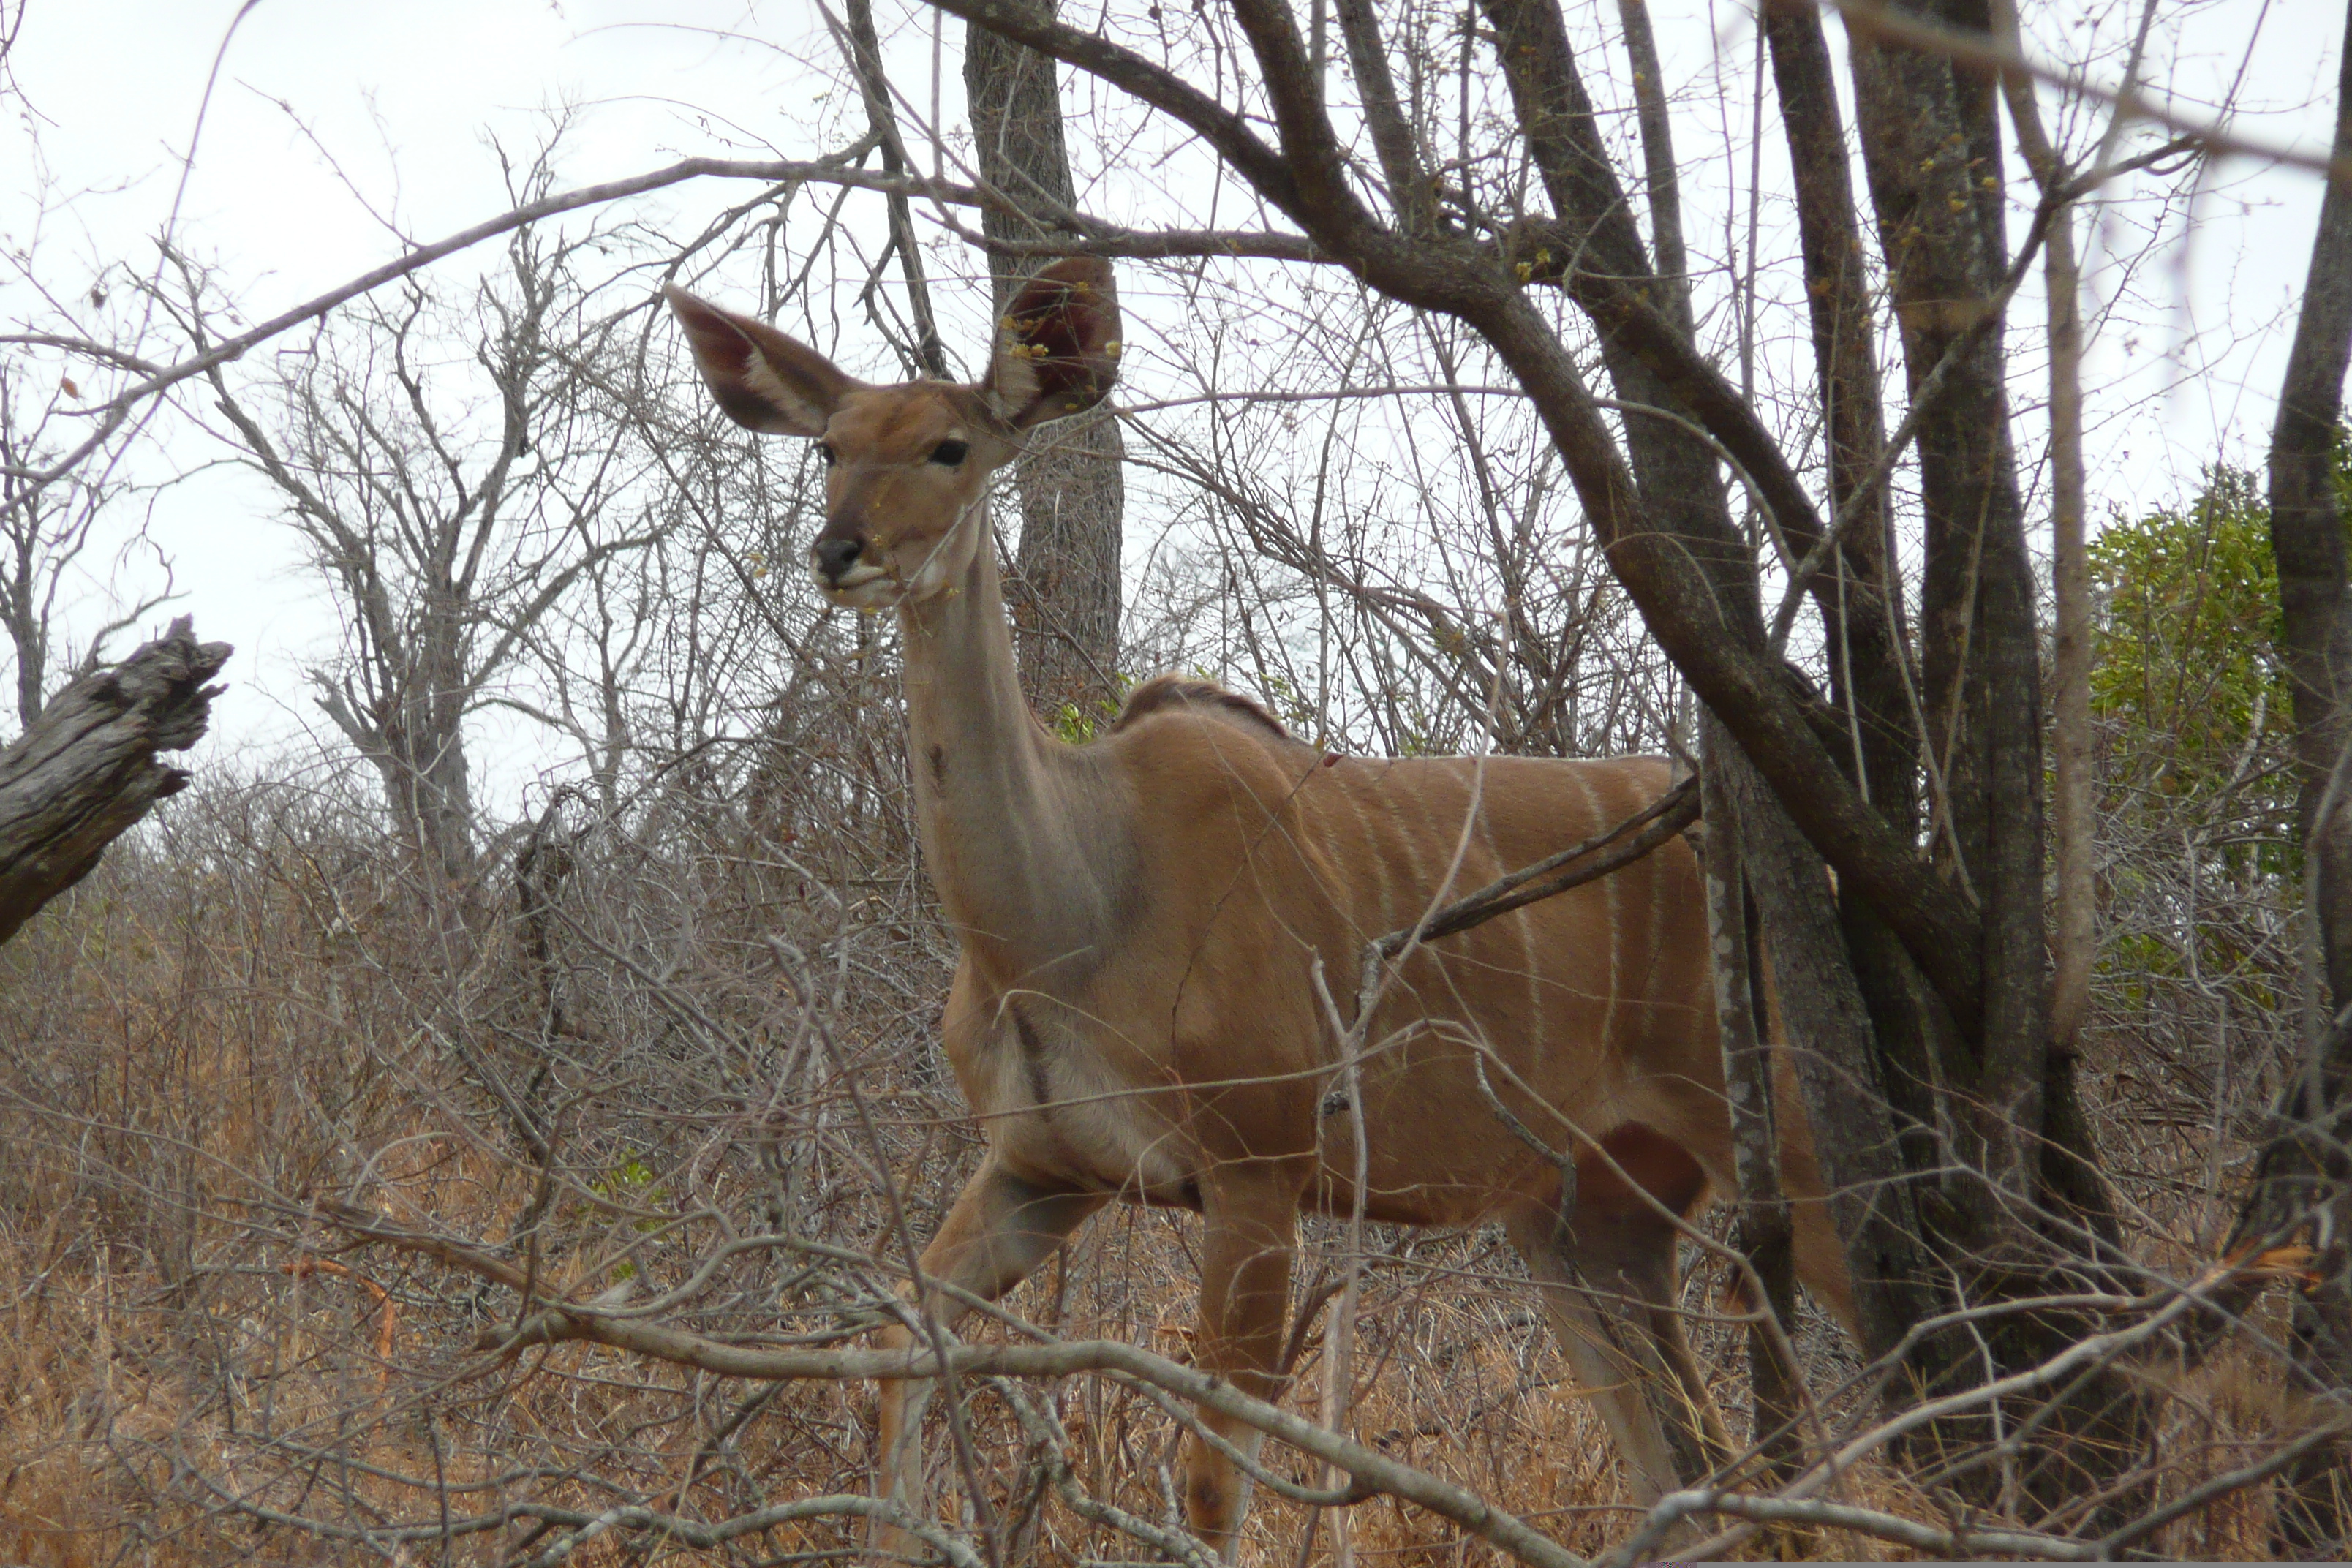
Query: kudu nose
x=834 y=556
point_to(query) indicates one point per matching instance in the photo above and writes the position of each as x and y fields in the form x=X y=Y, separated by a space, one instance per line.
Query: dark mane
x=1176 y=691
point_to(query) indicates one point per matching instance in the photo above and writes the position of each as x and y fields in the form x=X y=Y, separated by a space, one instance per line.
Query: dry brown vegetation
x=635 y=1042
x=379 y=1181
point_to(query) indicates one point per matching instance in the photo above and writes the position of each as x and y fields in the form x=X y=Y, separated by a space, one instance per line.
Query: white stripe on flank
x=1525 y=918
x=1593 y=819
x=1365 y=932
x=1657 y=928
x=1417 y=890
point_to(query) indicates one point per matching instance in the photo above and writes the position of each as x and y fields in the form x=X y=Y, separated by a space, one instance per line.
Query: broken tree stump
x=87 y=769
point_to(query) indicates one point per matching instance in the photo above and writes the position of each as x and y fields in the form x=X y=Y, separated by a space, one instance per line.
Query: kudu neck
x=1013 y=822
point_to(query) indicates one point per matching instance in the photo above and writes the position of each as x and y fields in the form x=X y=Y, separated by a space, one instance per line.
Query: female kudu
x=1134 y=1015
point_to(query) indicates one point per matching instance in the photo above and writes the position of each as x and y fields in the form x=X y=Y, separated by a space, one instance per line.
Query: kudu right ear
x=763 y=379
x=1059 y=355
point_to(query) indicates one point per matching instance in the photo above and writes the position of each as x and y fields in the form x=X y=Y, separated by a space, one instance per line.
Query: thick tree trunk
x=1766 y=1232
x=86 y=770
x=1931 y=149
x=1868 y=682
x=1067 y=588
x=1839 y=1073
x=2307 y=1171
x=2307 y=538
x=1932 y=153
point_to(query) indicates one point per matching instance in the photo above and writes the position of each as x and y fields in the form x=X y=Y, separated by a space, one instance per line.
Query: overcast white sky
x=405 y=97
x=406 y=100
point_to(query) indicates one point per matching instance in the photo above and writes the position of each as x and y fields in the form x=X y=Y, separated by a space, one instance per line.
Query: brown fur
x=1145 y=922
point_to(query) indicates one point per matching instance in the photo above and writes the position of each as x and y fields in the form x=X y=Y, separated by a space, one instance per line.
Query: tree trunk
x=19 y=609
x=1868 y=680
x=1932 y=153
x=86 y=770
x=407 y=717
x=2306 y=1171
x=1766 y=1232
x=1866 y=663
x=1930 y=148
x=1067 y=588
x=2070 y=569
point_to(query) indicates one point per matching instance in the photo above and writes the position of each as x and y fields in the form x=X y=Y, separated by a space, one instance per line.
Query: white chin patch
x=931 y=580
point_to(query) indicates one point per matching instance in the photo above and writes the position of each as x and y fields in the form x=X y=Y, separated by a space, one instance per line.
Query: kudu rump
x=1135 y=1016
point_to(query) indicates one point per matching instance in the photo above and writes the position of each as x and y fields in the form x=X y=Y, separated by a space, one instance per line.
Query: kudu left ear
x=765 y=380
x=1059 y=355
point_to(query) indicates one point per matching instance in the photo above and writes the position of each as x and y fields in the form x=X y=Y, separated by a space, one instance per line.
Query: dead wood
x=88 y=770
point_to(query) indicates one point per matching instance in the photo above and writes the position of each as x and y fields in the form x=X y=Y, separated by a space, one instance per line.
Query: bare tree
x=46 y=545
x=446 y=532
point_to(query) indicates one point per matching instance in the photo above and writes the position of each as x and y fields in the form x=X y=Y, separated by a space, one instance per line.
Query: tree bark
x=2075 y=942
x=1866 y=639
x=1827 y=1027
x=87 y=771
x=2305 y=1172
x=1932 y=154
x=1862 y=626
x=2307 y=538
x=1766 y=1233
x=1066 y=591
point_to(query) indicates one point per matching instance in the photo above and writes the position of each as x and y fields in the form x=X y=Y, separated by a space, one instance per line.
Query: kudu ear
x=1059 y=355
x=763 y=379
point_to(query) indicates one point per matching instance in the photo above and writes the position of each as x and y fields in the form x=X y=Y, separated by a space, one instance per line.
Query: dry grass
x=252 y=1008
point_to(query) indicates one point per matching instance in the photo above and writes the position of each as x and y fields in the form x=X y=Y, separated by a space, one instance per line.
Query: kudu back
x=1135 y=1015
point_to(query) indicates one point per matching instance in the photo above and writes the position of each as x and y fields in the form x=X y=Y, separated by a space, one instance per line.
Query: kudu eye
x=825 y=450
x=951 y=452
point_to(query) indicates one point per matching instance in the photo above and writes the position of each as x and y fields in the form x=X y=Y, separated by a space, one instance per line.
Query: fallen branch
x=86 y=770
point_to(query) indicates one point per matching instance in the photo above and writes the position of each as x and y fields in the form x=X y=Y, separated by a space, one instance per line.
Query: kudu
x=1135 y=1016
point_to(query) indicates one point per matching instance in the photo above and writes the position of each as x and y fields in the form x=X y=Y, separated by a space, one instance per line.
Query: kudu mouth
x=843 y=562
x=856 y=583
x=854 y=569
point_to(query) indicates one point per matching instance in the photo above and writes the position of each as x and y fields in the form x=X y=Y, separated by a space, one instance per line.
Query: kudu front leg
x=999 y=1228
x=1251 y=1223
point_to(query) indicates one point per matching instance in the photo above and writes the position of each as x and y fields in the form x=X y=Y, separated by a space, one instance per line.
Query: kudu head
x=907 y=467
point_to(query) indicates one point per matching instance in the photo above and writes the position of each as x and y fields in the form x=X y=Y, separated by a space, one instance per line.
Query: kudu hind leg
x=1611 y=1288
x=998 y=1229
